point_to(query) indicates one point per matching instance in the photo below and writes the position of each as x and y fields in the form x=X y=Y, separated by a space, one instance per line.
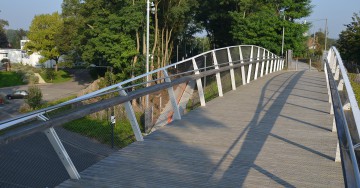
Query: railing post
x=232 y=75
x=218 y=78
x=267 y=62
x=257 y=64
x=243 y=78
x=172 y=97
x=262 y=63
x=61 y=152
x=131 y=116
x=271 y=63
x=199 y=84
x=250 y=65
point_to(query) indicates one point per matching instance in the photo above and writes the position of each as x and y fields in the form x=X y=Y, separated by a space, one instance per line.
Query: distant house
x=20 y=56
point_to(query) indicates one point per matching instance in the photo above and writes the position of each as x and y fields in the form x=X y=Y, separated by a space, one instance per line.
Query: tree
x=255 y=22
x=214 y=16
x=261 y=23
x=3 y=39
x=44 y=35
x=348 y=43
x=35 y=97
x=15 y=36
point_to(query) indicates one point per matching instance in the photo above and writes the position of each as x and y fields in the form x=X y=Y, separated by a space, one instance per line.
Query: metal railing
x=346 y=116
x=251 y=61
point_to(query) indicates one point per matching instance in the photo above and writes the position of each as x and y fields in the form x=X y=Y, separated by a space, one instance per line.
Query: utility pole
x=283 y=37
x=325 y=34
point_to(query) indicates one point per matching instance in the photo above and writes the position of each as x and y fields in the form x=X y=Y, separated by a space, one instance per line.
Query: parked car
x=19 y=94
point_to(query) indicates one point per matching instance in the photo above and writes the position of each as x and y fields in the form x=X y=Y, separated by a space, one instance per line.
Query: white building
x=20 y=56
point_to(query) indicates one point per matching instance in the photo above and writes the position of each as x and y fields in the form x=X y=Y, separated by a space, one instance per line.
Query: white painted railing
x=259 y=62
x=346 y=116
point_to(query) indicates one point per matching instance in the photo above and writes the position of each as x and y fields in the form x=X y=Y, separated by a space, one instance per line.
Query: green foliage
x=15 y=36
x=50 y=76
x=10 y=79
x=35 y=97
x=44 y=35
x=101 y=130
x=356 y=86
x=255 y=22
x=263 y=25
x=3 y=39
x=348 y=43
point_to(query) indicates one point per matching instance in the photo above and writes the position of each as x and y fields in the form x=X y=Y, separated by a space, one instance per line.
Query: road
x=50 y=92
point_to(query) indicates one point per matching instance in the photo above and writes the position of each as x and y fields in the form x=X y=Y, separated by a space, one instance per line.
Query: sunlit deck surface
x=273 y=132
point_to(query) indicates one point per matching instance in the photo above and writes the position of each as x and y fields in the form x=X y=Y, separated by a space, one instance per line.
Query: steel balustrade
x=346 y=116
x=267 y=61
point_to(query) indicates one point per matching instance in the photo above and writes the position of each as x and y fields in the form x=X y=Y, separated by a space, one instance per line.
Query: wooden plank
x=273 y=132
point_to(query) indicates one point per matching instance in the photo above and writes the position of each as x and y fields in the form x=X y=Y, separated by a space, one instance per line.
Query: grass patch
x=59 y=77
x=355 y=86
x=101 y=130
x=8 y=79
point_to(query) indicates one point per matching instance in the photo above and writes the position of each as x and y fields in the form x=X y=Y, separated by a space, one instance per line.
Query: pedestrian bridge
x=270 y=128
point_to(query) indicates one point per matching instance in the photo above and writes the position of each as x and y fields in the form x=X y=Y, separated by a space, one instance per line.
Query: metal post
x=218 y=77
x=242 y=67
x=61 y=152
x=250 y=65
x=199 y=84
x=257 y=64
x=172 y=98
x=283 y=37
x=262 y=63
x=325 y=33
x=147 y=48
x=131 y=116
x=232 y=74
x=112 y=124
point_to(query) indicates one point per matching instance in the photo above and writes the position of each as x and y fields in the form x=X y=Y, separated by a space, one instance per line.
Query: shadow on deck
x=273 y=132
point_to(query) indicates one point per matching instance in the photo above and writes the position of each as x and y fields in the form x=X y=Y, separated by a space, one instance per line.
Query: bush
x=24 y=108
x=50 y=74
x=34 y=97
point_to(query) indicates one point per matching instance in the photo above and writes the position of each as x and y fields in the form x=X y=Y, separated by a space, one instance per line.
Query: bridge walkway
x=273 y=132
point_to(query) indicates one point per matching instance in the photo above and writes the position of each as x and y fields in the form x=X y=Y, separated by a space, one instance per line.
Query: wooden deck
x=274 y=132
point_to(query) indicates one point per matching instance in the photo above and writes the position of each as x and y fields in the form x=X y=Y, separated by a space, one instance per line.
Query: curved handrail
x=22 y=118
x=334 y=67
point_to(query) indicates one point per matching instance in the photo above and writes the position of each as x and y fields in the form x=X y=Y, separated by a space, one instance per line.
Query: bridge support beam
x=199 y=84
x=172 y=96
x=243 y=75
x=232 y=74
x=218 y=77
x=131 y=116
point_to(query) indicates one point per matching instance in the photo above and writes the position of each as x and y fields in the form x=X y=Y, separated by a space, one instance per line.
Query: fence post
x=172 y=97
x=250 y=65
x=242 y=67
x=218 y=78
x=232 y=75
x=199 y=84
x=131 y=116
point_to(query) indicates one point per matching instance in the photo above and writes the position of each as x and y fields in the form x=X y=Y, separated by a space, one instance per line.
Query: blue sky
x=19 y=13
